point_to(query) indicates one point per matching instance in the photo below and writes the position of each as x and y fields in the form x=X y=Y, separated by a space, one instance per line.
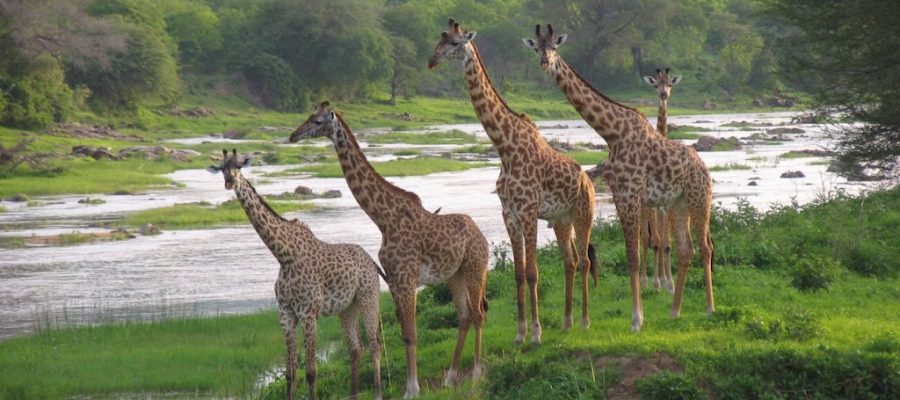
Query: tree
x=846 y=55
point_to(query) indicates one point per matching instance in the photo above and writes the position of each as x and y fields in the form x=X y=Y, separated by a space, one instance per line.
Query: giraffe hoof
x=450 y=381
x=477 y=373
x=637 y=322
x=520 y=338
x=710 y=310
x=656 y=284
x=567 y=323
x=675 y=314
x=585 y=323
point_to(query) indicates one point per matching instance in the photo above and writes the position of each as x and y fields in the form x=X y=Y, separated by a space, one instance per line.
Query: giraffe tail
x=380 y=271
x=594 y=267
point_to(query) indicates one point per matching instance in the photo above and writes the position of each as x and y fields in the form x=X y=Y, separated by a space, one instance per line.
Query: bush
x=814 y=272
x=37 y=99
x=273 y=80
x=668 y=386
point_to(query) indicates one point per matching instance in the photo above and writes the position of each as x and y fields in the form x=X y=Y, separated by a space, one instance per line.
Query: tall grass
x=767 y=339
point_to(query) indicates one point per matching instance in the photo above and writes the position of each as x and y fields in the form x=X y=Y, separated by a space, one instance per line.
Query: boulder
x=752 y=183
x=96 y=153
x=331 y=194
x=793 y=174
x=149 y=230
x=709 y=143
x=303 y=190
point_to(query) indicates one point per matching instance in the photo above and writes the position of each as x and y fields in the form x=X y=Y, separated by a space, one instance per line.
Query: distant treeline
x=58 y=56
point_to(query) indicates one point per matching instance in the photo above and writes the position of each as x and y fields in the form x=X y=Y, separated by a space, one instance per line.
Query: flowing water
x=229 y=270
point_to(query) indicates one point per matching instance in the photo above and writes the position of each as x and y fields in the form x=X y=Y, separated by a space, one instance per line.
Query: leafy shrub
x=869 y=259
x=814 y=272
x=887 y=342
x=668 y=386
x=273 y=80
x=433 y=317
x=800 y=324
x=556 y=377
x=36 y=99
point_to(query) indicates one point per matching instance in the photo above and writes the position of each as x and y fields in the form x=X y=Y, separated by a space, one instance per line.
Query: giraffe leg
x=564 y=239
x=700 y=222
x=646 y=232
x=629 y=214
x=529 y=228
x=665 y=256
x=463 y=312
x=371 y=321
x=350 y=324
x=308 y=324
x=405 y=299
x=582 y=224
x=662 y=225
x=289 y=329
x=475 y=268
x=517 y=243
x=685 y=251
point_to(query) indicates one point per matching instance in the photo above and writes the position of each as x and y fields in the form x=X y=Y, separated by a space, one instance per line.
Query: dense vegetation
x=118 y=55
x=777 y=333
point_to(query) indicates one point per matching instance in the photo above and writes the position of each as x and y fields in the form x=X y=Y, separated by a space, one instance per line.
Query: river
x=229 y=270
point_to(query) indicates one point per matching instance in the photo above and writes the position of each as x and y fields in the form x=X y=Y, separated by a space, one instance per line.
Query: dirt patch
x=633 y=369
x=91 y=131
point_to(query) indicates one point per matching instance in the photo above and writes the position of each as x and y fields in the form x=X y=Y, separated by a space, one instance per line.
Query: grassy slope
x=768 y=339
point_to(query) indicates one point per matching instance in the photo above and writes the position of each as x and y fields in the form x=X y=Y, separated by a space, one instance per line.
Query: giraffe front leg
x=582 y=242
x=629 y=214
x=463 y=311
x=289 y=329
x=685 y=251
x=518 y=249
x=309 y=343
x=350 y=325
x=564 y=239
x=405 y=299
x=529 y=228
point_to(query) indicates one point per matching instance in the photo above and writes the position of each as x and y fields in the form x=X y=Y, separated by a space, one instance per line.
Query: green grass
x=729 y=167
x=2 y=209
x=474 y=149
x=794 y=154
x=403 y=167
x=679 y=135
x=407 y=152
x=185 y=216
x=588 y=157
x=767 y=339
x=451 y=137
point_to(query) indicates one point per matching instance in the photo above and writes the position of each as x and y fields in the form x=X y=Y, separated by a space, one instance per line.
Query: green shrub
x=36 y=99
x=668 y=386
x=800 y=324
x=554 y=377
x=814 y=272
x=273 y=80
x=869 y=259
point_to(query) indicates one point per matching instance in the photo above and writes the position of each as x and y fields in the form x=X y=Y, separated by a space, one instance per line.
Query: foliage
x=844 y=54
x=668 y=386
x=272 y=79
x=814 y=272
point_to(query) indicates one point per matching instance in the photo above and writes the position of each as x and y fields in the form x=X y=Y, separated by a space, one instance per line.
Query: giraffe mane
x=494 y=88
x=262 y=200
x=399 y=191
x=598 y=93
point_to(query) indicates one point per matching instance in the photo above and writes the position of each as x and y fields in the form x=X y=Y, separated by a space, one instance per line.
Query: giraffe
x=643 y=169
x=657 y=220
x=417 y=247
x=535 y=182
x=315 y=279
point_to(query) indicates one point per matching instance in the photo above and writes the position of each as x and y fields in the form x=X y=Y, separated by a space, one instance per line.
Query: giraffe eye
x=319 y=122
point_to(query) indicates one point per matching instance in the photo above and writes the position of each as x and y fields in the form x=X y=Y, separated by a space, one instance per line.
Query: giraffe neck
x=606 y=116
x=267 y=223
x=491 y=109
x=381 y=200
x=662 y=124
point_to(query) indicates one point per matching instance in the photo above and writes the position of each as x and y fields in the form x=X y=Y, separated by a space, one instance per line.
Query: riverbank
x=135 y=150
x=802 y=311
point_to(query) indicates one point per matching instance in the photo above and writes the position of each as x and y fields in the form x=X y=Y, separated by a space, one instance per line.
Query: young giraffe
x=657 y=219
x=316 y=279
x=417 y=247
x=643 y=169
x=535 y=182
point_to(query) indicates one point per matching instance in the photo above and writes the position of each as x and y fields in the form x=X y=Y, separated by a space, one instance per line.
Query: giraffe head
x=323 y=123
x=231 y=167
x=452 y=44
x=663 y=83
x=545 y=45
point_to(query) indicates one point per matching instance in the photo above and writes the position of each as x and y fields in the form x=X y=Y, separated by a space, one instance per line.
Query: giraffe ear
x=246 y=163
x=470 y=36
x=330 y=116
x=213 y=169
x=676 y=80
x=650 y=80
x=561 y=39
x=529 y=43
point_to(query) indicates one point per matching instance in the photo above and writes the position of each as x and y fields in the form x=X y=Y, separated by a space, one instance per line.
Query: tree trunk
x=394 y=88
x=637 y=58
